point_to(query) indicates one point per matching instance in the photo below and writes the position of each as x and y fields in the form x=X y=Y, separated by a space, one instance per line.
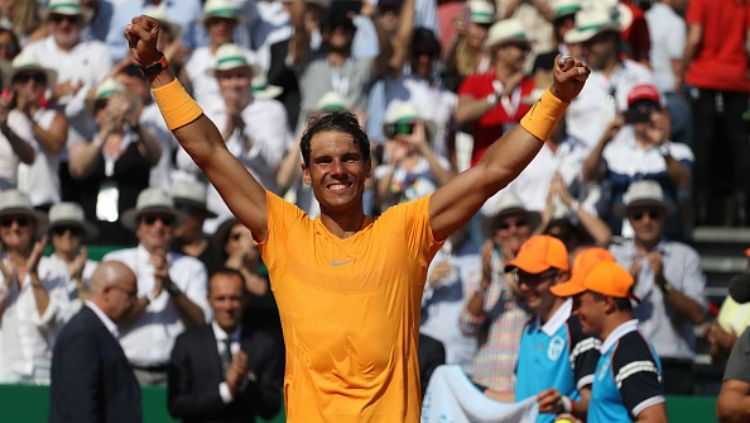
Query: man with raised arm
x=348 y=285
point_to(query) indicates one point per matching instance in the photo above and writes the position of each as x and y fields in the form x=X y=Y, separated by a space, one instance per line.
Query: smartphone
x=640 y=112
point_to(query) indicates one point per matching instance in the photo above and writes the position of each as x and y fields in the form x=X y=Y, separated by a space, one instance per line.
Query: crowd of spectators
x=655 y=144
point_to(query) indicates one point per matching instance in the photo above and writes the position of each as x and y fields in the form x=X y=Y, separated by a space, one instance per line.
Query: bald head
x=113 y=289
x=110 y=273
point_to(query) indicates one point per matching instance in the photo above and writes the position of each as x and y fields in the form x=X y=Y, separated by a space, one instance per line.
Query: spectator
x=220 y=17
x=248 y=381
x=453 y=276
x=733 y=403
x=171 y=287
x=91 y=378
x=494 y=102
x=715 y=62
x=627 y=385
x=612 y=77
x=68 y=266
x=16 y=133
x=24 y=16
x=332 y=66
x=413 y=170
x=40 y=179
x=668 y=34
x=111 y=169
x=465 y=55
x=636 y=147
x=9 y=44
x=534 y=17
x=80 y=65
x=254 y=129
x=634 y=30
x=556 y=361
x=733 y=319
x=190 y=199
x=670 y=284
x=563 y=21
x=240 y=252
x=29 y=305
x=430 y=355
x=495 y=313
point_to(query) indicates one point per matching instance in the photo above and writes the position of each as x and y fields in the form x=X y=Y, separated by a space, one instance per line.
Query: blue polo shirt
x=628 y=377
x=555 y=355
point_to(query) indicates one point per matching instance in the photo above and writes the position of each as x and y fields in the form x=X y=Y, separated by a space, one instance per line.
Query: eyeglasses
x=24 y=77
x=58 y=18
x=22 y=221
x=534 y=279
x=507 y=224
x=130 y=293
x=62 y=229
x=652 y=214
x=151 y=219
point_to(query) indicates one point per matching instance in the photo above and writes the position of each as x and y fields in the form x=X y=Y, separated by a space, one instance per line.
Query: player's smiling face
x=337 y=171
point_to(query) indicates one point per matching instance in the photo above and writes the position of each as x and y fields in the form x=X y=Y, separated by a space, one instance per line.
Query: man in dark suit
x=218 y=373
x=91 y=378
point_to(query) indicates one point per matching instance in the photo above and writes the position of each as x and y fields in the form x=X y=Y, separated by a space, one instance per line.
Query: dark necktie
x=226 y=356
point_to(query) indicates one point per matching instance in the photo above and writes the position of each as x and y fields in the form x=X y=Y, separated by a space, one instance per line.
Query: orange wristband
x=542 y=119
x=176 y=105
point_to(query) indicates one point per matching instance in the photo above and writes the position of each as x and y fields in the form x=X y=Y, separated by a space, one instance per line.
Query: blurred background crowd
x=651 y=160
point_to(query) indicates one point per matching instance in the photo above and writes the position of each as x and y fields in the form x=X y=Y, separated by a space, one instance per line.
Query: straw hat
x=232 y=56
x=481 y=11
x=150 y=200
x=71 y=214
x=504 y=32
x=590 y=23
x=160 y=14
x=562 y=8
x=261 y=88
x=26 y=61
x=105 y=90
x=405 y=112
x=642 y=194
x=226 y=9
x=14 y=202
x=69 y=8
x=502 y=204
x=332 y=101
x=193 y=194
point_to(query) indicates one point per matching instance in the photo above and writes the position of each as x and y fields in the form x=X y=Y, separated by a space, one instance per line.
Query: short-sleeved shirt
x=501 y=118
x=350 y=312
x=628 y=377
x=738 y=365
x=557 y=355
x=720 y=62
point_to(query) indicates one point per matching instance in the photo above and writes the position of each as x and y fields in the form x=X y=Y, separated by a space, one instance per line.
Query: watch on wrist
x=172 y=289
x=156 y=67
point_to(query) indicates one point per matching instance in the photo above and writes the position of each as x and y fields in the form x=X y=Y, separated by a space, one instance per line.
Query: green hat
x=220 y=9
x=506 y=31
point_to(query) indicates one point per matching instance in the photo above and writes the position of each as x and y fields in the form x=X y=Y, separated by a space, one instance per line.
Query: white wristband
x=567 y=406
x=492 y=99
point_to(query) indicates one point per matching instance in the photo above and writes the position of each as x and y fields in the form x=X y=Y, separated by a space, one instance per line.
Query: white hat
x=332 y=101
x=71 y=214
x=192 y=193
x=590 y=23
x=220 y=9
x=160 y=14
x=481 y=11
x=231 y=56
x=14 y=202
x=502 y=204
x=150 y=200
x=69 y=8
x=27 y=61
x=562 y=8
x=261 y=88
x=506 y=31
x=644 y=193
x=405 y=112
x=105 y=90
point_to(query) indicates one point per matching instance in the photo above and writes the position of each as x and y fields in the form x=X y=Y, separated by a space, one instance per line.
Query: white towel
x=452 y=398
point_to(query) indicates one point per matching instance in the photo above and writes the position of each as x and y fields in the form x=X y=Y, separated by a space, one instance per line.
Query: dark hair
x=622 y=304
x=339 y=121
x=227 y=271
x=424 y=41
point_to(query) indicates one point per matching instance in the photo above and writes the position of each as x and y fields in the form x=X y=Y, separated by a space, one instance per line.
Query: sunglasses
x=390 y=130
x=652 y=214
x=165 y=220
x=25 y=77
x=507 y=224
x=58 y=18
x=22 y=221
x=62 y=229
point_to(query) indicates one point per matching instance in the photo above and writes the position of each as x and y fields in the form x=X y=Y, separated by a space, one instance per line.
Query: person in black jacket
x=91 y=378
x=217 y=372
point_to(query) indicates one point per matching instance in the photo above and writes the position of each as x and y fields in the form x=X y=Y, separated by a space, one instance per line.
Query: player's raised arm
x=456 y=202
x=199 y=137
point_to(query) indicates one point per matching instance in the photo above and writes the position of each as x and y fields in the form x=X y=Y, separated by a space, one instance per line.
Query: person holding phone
x=635 y=146
x=248 y=381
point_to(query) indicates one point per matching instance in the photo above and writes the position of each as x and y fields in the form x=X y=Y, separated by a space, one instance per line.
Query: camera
x=640 y=112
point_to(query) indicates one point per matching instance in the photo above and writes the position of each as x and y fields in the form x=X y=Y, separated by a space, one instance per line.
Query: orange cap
x=606 y=278
x=540 y=253
x=747 y=252
x=586 y=260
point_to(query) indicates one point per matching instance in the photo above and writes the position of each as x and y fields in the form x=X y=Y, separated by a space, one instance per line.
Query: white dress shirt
x=9 y=161
x=149 y=340
x=40 y=180
x=234 y=344
x=106 y=321
x=26 y=338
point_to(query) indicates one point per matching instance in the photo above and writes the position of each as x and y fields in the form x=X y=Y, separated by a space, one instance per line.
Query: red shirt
x=488 y=128
x=720 y=61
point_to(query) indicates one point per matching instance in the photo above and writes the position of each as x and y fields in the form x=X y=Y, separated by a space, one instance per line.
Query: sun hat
x=71 y=214
x=191 y=193
x=481 y=11
x=26 y=61
x=231 y=56
x=150 y=201
x=643 y=193
x=591 y=22
x=68 y=8
x=14 y=202
x=506 y=31
x=262 y=89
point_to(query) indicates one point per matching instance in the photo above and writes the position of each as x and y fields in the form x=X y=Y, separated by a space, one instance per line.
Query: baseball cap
x=586 y=260
x=606 y=278
x=642 y=92
x=540 y=253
